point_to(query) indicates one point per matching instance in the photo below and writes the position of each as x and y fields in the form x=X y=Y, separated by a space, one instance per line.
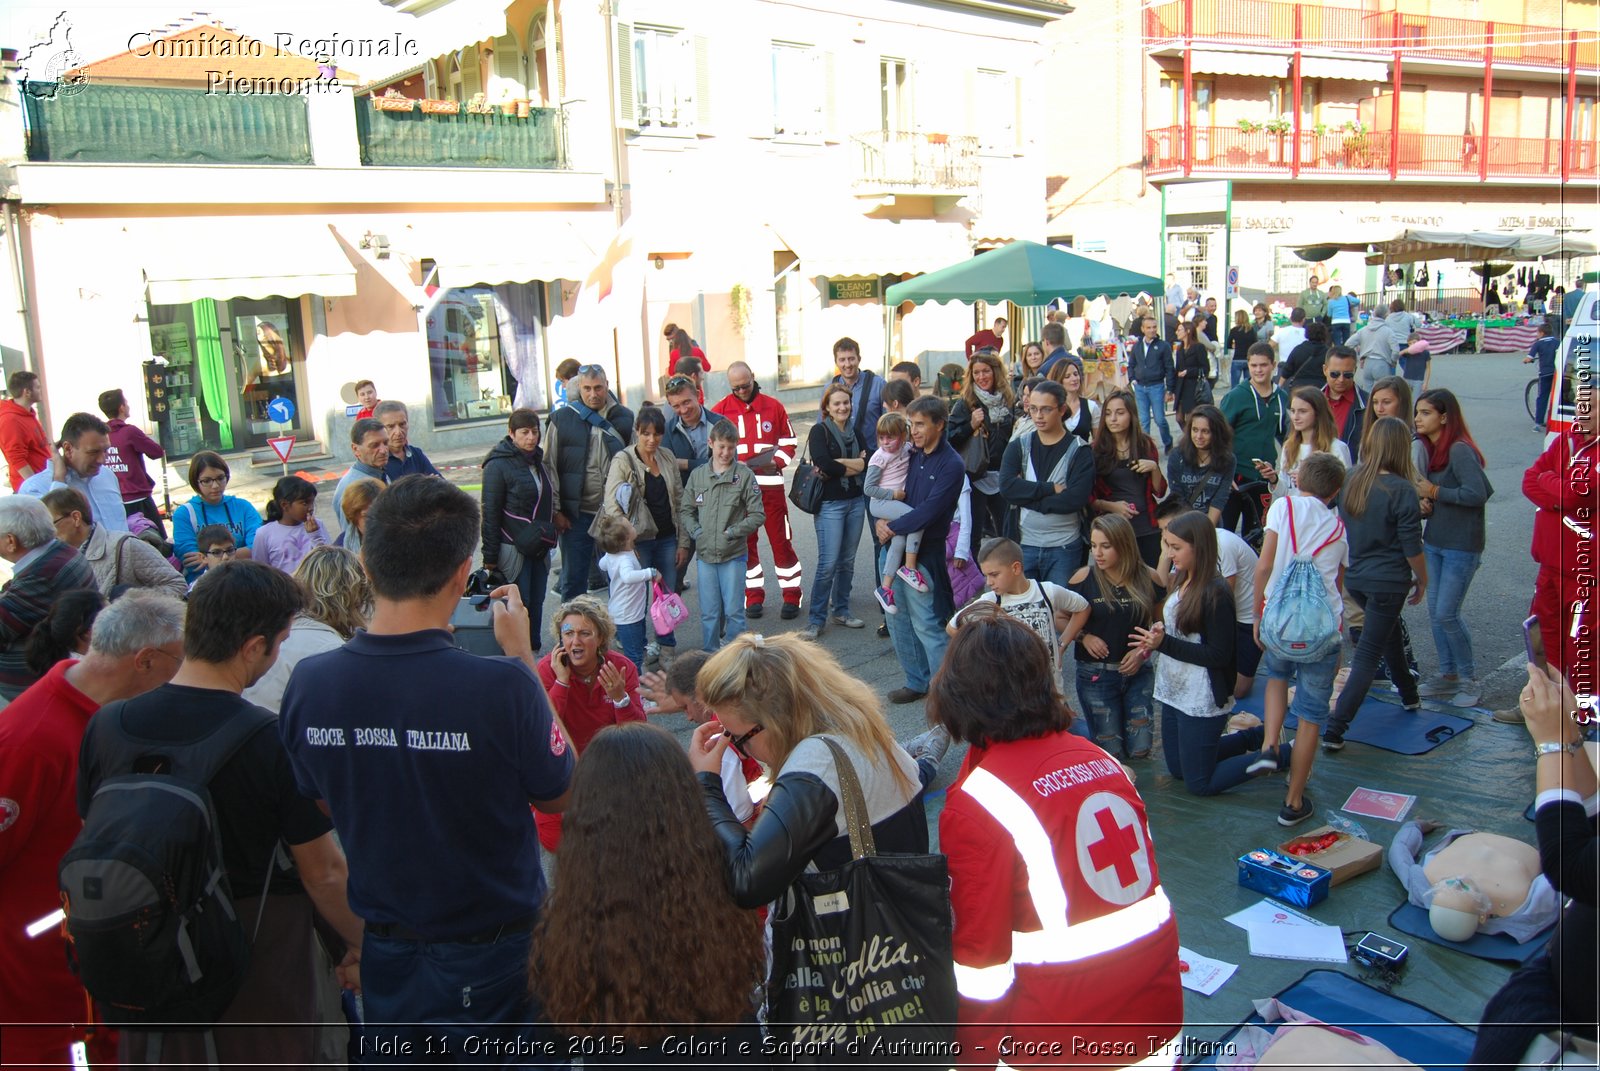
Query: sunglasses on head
x=678 y=383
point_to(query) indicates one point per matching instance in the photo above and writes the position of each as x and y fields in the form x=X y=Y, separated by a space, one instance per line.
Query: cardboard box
x=1283 y=877
x=1347 y=858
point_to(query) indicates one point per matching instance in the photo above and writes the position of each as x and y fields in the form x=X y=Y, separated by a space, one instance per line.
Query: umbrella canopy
x=1471 y=246
x=1023 y=272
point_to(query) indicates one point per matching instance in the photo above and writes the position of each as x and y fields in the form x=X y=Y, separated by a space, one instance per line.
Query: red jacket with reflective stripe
x=1565 y=485
x=762 y=425
x=1115 y=998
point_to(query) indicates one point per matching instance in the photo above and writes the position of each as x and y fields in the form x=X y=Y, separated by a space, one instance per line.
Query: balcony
x=90 y=123
x=1272 y=24
x=536 y=141
x=1220 y=151
x=901 y=163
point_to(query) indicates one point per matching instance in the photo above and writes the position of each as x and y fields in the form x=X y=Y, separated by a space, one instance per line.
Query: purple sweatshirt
x=282 y=546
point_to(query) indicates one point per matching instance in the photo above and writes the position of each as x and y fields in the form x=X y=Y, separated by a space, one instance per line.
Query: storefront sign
x=855 y=289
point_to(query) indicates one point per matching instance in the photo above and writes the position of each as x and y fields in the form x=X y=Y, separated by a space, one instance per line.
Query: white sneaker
x=1467 y=694
x=932 y=744
x=1439 y=685
x=848 y=621
x=810 y=632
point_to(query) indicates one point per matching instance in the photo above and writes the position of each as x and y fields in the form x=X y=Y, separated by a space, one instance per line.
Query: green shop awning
x=249 y=257
x=1026 y=273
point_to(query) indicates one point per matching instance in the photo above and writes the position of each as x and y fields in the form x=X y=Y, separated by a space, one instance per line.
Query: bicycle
x=1530 y=396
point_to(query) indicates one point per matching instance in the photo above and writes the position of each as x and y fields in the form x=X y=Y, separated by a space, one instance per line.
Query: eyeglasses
x=1041 y=410
x=219 y=553
x=742 y=387
x=212 y=481
x=738 y=742
x=1340 y=375
x=58 y=520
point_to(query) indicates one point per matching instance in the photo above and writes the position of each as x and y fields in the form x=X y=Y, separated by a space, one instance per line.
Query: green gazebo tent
x=1025 y=273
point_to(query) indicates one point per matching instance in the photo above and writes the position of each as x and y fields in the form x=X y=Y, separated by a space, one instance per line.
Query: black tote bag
x=878 y=931
x=805 y=489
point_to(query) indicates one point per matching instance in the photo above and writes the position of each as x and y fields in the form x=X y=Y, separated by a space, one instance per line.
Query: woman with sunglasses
x=211 y=504
x=590 y=685
x=775 y=699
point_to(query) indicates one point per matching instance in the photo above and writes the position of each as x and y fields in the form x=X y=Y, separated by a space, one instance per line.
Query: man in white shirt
x=79 y=463
x=1287 y=338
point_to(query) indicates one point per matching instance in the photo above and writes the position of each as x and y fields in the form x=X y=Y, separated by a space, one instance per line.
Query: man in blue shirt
x=866 y=391
x=79 y=463
x=426 y=757
x=1544 y=351
x=933 y=487
x=404 y=459
x=1054 y=338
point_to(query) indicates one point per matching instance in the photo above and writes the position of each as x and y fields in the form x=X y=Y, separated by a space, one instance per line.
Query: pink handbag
x=667 y=610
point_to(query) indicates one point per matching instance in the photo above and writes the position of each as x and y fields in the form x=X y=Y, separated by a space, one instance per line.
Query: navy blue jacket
x=677 y=440
x=933 y=489
x=1150 y=363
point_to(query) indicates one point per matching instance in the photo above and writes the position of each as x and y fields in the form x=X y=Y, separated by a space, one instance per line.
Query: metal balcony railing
x=537 y=141
x=1230 y=150
x=92 y=123
x=902 y=160
x=1354 y=29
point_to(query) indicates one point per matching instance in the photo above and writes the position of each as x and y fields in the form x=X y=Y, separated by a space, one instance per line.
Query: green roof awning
x=1026 y=273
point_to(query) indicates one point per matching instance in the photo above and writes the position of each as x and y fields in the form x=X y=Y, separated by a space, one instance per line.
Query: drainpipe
x=13 y=226
x=610 y=11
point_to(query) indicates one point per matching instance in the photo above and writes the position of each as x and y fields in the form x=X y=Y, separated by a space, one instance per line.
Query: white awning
x=516 y=250
x=222 y=258
x=444 y=30
x=1350 y=70
x=1250 y=64
x=861 y=247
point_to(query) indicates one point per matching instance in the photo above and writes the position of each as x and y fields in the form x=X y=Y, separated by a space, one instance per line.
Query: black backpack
x=151 y=926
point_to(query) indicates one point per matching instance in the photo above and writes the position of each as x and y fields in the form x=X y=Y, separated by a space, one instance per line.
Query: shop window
x=482 y=341
x=234 y=372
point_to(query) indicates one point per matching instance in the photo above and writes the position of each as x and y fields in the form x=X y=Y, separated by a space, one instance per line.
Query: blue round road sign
x=280 y=411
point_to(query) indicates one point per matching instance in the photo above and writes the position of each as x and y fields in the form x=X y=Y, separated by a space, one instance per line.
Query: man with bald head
x=767 y=445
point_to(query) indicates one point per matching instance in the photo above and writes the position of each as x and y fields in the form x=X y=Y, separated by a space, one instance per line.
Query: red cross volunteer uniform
x=1059 y=911
x=763 y=426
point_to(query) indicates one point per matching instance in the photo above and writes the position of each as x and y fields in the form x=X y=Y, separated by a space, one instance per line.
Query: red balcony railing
x=1223 y=149
x=1272 y=22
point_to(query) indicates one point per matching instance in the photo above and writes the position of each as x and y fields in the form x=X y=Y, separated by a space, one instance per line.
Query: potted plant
x=1278 y=128
x=478 y=105
x=524 y=107
x=938 y=139
x=392 y=100
x=1250 y=126
x=1357 y=148
x=441 y=107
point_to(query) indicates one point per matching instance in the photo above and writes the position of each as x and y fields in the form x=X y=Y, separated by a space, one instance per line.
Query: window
x=1189 y=254
x=895 y=95
x=798 y=95
x=997 y=111
x=663 y=77
x=473 y=367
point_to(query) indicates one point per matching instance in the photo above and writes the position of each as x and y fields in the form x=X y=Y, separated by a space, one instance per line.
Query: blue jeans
x=1449 y=575
x=1053 y=564
x=1380 y=638
x=1118 y=709
x=721 y=600
x=1313 y=685
x=1238 y=372
x=577 y=557
x=438 y=997
x=1152 y=402
x=532 y=584
x=1541 y=407
x=838 y=535
x=661 y=555
x=918 y=635
x=630 y=637
x=1339 y=334
x=1207 y=761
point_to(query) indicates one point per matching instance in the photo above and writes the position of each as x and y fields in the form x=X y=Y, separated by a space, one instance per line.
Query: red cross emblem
x=1113 y=849
x=1116 y=848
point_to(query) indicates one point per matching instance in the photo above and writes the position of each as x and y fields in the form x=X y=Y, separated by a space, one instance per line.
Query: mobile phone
x=482 y=605
x=1534 y=641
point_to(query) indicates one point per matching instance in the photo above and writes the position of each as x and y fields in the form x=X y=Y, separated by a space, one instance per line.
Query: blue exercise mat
x=1411 y=1031
x=1382 y=724
x=1411 y=919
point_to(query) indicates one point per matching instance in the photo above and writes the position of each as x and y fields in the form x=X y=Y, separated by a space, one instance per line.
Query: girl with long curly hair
x=641 y=935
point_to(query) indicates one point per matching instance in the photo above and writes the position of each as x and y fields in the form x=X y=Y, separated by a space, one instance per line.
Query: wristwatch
x=1552 y=748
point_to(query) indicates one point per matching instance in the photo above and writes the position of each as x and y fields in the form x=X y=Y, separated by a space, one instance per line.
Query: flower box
x=394 y=104
x=441 y=107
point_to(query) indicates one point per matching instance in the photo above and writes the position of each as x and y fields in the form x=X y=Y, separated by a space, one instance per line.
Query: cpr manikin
x=1475 y=883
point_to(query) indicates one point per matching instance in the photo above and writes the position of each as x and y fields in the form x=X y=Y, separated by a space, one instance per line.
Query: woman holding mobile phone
x=590 y=685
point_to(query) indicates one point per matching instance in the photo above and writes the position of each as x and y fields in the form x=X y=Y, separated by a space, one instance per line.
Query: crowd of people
x=1071 y=583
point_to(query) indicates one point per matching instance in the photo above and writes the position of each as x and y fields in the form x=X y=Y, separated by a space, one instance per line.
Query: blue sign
x=280 y=411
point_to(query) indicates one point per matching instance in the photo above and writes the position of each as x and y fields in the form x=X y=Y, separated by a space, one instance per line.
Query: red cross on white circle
x=1113 y=851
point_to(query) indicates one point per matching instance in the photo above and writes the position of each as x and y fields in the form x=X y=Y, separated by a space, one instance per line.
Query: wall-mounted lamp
x=660 y=262
x=379 y=243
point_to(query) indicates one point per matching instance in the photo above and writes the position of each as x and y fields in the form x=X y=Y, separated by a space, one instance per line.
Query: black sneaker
x=1333 y=740
x=754 y=611
x=1266 y=763
x=1293 y=816
x=1413 y=706
x=790 y=611
x=883 y=631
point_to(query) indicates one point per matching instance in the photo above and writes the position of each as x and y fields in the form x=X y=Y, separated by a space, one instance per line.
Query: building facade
x=1246 y=131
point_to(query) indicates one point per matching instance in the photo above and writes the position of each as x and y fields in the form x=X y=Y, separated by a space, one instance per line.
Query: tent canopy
x=1471 y=246
x=1026 y=273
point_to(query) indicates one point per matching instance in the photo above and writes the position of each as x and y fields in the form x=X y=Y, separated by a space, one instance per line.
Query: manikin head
x=1456 y=909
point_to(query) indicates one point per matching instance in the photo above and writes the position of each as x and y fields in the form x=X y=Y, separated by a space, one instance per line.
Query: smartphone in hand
x=1534 y=642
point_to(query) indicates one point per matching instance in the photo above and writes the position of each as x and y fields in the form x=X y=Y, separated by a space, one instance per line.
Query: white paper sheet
x=1205 y=975
x=1270 y=911
x=1320 y=944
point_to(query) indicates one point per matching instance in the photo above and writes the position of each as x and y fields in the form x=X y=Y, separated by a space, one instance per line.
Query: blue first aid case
x=1283 y=877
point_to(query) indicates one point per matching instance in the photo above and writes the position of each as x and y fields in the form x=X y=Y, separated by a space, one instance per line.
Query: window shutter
x=627 y=104
x=702 y=84
x=830 y=98
x=1016 y=124
x=974 y=120
x=556 y=70
x=508 y=67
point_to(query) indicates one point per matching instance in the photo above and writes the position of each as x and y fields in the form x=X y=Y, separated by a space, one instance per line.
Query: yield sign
x=282 y=445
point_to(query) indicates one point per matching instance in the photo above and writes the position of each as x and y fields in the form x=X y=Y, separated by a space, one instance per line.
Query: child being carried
x=886 y=492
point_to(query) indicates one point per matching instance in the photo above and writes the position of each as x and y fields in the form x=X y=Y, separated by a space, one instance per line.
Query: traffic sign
x=1233 y=277
x=282 y=445
x=280 y=410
